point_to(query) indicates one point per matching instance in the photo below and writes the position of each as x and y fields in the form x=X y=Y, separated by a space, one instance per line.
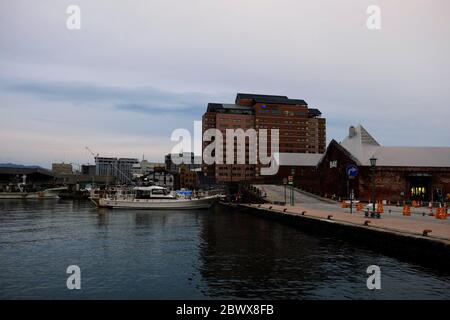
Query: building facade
x=113 y=167
x=88 y=169
x=62 y=168
x=144 y=168
x=187 y=159
x=400 y=174
x=301 y=130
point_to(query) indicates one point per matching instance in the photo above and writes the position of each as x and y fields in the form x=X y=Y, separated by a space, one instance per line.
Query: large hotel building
x=301 y=130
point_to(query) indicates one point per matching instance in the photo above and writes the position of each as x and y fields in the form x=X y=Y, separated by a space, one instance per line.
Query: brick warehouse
x=301 y=129
x=402 y=173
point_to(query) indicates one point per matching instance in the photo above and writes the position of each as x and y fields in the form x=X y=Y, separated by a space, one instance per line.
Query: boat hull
x=153 y=204
x=46 y=194
x=13 y=195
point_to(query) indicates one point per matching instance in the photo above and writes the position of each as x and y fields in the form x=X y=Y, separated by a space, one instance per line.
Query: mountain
x=14 y=165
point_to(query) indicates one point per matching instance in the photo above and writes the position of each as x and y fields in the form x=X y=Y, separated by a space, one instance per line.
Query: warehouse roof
x=299 y=159
x=24 y=170
x=362 y=146
x=412 y=156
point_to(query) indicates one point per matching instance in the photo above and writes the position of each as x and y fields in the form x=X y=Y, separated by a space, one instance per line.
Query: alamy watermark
x=373 y=21
x=73 y=21
x=374 y=280
x=235 y=139
x=74 y=280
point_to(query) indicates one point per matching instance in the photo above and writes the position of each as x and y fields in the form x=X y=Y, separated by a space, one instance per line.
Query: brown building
x=188 y=178
x=62 y=168
x=401 y=173
x=301 y=129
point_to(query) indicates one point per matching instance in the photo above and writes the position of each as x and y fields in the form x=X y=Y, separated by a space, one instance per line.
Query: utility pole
x=292 y=187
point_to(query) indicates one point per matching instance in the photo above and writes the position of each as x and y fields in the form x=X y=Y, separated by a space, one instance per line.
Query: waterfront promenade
x=391 y=220
x=440 y=229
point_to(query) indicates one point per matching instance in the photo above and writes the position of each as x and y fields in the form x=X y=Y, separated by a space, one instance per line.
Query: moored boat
x=153 y=198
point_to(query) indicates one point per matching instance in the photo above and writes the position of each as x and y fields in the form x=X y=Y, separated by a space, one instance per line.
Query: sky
x=137 y=70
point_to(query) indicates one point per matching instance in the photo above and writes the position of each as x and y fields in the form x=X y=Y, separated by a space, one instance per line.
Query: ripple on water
x=188 y=254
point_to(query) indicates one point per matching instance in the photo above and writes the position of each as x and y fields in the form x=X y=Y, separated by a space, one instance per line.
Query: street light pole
x=373 y=164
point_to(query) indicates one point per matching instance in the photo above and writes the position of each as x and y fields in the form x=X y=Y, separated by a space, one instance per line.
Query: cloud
x=123 y=98
x=141 y=71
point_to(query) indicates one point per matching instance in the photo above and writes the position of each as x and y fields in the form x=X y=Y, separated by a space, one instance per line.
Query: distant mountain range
x=13 y=165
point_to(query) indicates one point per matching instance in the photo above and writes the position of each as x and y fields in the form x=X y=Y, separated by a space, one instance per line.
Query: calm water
x=181 y=255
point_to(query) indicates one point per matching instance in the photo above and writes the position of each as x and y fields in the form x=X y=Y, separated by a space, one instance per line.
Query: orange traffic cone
x=406 y=210
x=440 y=213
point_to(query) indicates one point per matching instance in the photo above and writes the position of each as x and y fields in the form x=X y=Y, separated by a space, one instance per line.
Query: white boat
x=155 y=197
x=52 y=193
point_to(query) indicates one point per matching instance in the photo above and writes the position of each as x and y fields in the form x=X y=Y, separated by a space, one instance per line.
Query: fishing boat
x=154 y=197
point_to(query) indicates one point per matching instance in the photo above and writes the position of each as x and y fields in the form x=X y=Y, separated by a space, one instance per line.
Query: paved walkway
x=390 y=221
x=440 y=229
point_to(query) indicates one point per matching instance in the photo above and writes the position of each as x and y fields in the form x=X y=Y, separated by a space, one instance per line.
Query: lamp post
x=373 y=164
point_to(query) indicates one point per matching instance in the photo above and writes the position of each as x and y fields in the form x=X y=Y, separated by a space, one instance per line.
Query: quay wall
x=424 y=250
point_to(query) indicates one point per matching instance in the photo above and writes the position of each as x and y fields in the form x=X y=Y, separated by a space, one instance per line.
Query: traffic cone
x=406 y=210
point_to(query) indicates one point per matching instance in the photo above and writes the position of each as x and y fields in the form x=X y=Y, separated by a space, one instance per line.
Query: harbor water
x=203 y=254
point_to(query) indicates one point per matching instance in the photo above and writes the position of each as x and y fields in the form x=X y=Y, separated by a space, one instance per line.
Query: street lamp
x=373 y=164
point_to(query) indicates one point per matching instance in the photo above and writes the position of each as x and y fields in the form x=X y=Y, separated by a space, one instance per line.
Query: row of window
x=277 y=112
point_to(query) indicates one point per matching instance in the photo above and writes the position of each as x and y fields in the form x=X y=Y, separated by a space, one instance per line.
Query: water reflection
x=246 y=257
x=187 y=255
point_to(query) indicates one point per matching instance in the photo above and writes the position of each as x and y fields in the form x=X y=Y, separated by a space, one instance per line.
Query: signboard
x=352 y=171
x=333 y=164
x=291 y=179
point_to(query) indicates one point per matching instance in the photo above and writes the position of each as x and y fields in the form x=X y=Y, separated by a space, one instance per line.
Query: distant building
x=118 y=168
x=187 y=159
x=35 y=178
x=144 y=168
x=105 y=166
x=188 y=178
x=125 y=165
x=87 y=169
x=62 y=168
x=161 y=177
x=301 y=129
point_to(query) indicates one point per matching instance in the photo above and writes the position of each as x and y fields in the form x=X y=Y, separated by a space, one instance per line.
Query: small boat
x=153 y=198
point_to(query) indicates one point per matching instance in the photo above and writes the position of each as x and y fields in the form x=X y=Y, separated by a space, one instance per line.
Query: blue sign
x=352 y=170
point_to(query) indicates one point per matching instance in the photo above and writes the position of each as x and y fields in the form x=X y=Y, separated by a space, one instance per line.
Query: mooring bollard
x=284 y=210
x=303 y=213
x=366 y=223
x=426 y=232
x=330 y=216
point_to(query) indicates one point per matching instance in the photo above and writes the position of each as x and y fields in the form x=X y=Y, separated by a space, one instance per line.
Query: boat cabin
x=153 y=192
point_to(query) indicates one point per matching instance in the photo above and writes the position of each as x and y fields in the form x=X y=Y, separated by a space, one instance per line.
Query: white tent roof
x=299 y=159
x=362 y=146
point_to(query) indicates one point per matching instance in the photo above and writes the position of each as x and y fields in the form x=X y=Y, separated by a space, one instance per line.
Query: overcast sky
x=137 y=70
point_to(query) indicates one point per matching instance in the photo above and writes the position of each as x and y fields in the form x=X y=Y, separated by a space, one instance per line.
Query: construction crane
x=91 y=152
